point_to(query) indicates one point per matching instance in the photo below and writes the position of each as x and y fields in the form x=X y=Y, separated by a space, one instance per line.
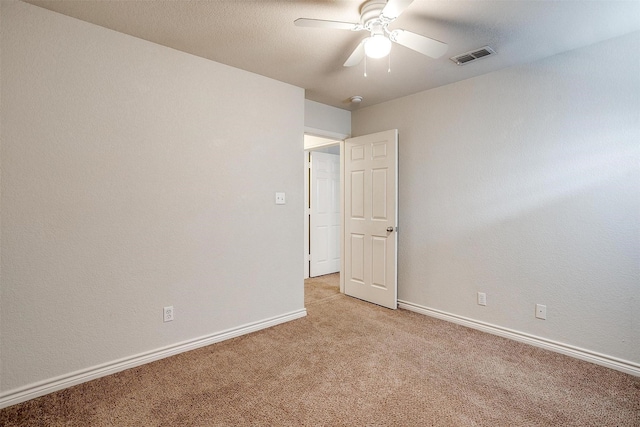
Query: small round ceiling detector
x=356 y=99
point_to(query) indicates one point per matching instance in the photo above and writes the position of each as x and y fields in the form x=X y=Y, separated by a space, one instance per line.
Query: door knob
x=390 y=229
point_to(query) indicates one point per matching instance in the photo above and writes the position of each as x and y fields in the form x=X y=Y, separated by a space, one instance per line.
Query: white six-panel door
x=370 y=225
x=325 y=214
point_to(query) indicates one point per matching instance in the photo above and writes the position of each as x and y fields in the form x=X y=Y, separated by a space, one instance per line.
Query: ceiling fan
x=375 y=17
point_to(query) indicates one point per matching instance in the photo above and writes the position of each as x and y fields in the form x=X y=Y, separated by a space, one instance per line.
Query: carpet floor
x=349 y=363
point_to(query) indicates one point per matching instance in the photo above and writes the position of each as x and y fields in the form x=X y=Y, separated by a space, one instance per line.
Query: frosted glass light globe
x=377 y=46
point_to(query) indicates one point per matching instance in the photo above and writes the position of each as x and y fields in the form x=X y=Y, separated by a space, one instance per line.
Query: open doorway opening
x=322 y=206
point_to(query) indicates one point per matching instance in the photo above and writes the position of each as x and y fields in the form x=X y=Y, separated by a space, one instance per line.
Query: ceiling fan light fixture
x=377 y=46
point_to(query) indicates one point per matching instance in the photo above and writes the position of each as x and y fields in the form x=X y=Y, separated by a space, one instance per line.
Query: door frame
x=342 y=257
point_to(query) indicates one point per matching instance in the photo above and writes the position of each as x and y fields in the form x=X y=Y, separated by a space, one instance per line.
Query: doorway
x=368 y=233
x=322 y=206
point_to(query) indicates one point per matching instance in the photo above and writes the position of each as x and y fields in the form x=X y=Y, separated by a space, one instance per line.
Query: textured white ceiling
x=259 y=36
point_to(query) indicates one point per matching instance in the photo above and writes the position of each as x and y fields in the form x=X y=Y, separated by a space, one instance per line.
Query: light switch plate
x=280 y=200
x=482 y=298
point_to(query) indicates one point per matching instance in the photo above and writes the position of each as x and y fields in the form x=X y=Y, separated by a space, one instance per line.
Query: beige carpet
x=349 y=363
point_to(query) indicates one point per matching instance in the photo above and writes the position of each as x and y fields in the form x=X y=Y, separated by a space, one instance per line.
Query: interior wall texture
x=326 y=120
x=524 y=184
x=136 y=177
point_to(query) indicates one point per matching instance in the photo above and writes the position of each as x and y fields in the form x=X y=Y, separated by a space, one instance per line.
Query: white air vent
x=473 y=55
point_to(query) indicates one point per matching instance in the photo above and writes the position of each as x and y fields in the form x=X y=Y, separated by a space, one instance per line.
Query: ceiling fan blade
x=319 y=23
x=356 y=55
x=421 y=44
x=394 y=8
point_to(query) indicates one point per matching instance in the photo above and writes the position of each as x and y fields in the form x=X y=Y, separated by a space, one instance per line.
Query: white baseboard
x=566 y=349
x=41 y=388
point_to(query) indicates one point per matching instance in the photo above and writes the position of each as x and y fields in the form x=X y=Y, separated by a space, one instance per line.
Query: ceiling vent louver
x=465 y=58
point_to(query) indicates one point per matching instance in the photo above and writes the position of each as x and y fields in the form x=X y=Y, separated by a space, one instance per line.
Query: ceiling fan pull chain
x=389 y=69
x=365 y=65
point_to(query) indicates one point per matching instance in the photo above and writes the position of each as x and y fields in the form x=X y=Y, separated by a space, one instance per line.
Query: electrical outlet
x=280 y=199
x=482 y=298
x=541 y=311
x=168 y=313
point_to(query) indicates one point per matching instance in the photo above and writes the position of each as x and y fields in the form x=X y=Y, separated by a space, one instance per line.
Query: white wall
x=524 y=184
x=325 y=120
x=134 y=177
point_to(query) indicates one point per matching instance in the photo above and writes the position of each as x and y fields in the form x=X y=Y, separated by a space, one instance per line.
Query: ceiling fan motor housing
x=370 y=13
